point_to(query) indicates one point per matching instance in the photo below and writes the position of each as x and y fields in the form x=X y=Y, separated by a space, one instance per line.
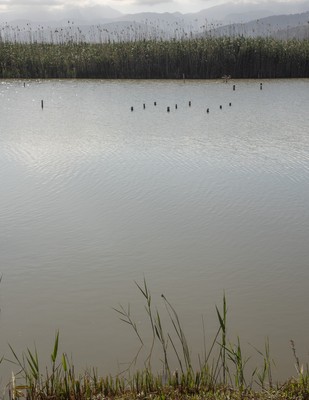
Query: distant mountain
x=102 y=23
x=278 y=26
x=298 y=32
x=232 y=12
x=241 y=12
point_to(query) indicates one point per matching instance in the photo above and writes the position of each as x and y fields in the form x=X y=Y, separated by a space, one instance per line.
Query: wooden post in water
x=132 y=108
x=190 y=103
x=155 y=103
x=176 y=106
x=234 y=87
x=207 y=110
x=168 y=109
x=42 y=104
x=144 y=106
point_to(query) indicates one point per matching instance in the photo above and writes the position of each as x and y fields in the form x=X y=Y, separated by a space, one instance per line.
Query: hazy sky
x=124 y=6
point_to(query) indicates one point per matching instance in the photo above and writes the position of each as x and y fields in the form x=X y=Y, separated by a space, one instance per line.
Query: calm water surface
x=95 y=197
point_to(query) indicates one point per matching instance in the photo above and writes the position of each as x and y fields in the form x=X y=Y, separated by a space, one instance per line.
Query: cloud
x=49 y=3
x=145 y=2
x=151 y=2
x=40 y=10
x=30 y=2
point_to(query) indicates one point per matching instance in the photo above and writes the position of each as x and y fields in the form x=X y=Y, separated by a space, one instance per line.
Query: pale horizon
x=38 y=7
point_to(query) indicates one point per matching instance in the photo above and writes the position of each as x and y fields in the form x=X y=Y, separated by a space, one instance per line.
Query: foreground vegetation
x=222 y=371
x=208 y=58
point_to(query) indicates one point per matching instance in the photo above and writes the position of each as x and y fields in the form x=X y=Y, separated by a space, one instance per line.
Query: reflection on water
x=95 y=196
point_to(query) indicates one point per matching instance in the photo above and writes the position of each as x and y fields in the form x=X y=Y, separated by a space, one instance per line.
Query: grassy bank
x=222 y=371
x=209 y=58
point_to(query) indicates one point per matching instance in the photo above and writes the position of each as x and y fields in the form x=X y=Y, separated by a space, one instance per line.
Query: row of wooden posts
x=168 y=109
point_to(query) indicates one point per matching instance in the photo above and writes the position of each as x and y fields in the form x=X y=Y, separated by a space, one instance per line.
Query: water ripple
x=95 y=195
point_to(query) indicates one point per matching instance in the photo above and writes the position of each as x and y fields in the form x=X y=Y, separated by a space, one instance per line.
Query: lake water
x=95 y=197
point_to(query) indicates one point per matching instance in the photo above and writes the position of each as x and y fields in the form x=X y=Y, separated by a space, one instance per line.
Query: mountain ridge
x=226 y=13
x=165 y=26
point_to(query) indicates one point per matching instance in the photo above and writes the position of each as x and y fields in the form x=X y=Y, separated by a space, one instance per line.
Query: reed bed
x=222 y=371
x=207 y=58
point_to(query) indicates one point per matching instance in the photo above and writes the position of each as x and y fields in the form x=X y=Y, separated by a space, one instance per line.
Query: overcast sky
x=124 y=6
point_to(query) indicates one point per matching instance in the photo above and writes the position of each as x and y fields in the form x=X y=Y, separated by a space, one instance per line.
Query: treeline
x=209 y=58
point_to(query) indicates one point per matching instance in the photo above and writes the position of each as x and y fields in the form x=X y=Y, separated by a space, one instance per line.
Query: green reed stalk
x=302 y=372
x=223 y=327
x=180 y=334
x=234 y=353
x=53 y=356
x=148 y=307
x=161 y=336
x=126 y=317
x=264 y=375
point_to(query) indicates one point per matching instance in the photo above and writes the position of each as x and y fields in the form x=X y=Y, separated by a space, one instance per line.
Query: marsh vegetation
x=208 y=58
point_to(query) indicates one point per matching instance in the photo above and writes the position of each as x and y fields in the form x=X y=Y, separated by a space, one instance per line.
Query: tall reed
x=203 y=58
